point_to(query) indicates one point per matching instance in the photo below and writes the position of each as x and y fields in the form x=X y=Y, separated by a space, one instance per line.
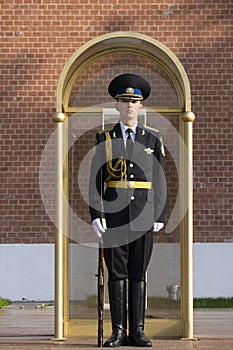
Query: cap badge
x=129 y=90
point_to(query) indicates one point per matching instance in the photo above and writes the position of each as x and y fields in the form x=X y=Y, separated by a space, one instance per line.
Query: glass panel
x=83 y=262
x=164 y=270
x=83 y=243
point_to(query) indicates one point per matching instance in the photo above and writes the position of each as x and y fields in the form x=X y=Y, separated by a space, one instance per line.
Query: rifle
x=100 y=293
x=101 y=275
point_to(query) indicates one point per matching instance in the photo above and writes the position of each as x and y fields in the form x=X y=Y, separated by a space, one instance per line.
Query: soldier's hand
x=158 y=226
x=99 y=226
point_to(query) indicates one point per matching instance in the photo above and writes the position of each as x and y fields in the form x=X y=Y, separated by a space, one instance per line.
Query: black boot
x=117 y=300
x=137 y=295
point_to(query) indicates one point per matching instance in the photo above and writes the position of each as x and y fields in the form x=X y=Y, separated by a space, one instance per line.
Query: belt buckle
x=131 y=184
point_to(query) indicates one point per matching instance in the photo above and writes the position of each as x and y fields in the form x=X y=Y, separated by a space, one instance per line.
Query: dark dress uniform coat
x=130 y=212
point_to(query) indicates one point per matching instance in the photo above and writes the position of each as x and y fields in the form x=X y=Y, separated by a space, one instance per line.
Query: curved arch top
x=123 y=42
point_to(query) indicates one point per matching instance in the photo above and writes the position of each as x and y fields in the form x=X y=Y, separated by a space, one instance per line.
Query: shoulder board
x=150 y=128
x=109 y=132
x=104 y=135
x=99 y=137
x=101 y=133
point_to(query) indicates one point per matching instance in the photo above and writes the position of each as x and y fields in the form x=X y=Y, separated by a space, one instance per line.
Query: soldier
x=127 y=196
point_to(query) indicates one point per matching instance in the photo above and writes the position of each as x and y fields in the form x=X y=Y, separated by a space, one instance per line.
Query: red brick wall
x=37 y=39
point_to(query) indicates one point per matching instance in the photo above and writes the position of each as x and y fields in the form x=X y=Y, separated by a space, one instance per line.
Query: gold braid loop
x=119 y=170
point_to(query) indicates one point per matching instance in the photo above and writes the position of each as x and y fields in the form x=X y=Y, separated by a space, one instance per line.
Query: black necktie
x=129 y=142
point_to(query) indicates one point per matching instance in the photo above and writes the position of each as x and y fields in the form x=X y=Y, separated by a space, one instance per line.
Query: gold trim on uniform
x=150 y=128
x=119 y=170
x=162 y=146
x=130 y=184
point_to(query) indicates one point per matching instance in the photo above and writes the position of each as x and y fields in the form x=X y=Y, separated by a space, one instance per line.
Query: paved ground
x=31 y=328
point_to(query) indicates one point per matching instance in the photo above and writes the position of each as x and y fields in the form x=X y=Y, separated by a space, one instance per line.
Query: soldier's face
x=129 y=110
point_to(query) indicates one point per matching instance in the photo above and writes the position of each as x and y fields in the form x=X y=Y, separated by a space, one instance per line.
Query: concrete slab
x=217 y=323
x=31 y=327
x=74 y=344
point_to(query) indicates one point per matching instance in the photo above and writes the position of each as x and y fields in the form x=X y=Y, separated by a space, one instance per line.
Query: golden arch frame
x=120 y=42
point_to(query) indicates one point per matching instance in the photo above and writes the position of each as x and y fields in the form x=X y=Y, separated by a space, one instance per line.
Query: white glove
x=99 y=227
x=158 y=226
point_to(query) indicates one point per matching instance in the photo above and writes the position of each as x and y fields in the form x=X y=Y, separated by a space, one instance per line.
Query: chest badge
x=148 y=150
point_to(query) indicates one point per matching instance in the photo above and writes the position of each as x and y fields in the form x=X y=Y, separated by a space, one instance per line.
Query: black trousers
x=130 y=260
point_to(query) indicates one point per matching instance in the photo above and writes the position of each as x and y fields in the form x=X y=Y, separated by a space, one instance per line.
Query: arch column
x=59 y=119
x=187 y=230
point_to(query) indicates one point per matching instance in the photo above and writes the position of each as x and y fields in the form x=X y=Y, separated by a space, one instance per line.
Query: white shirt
x=125 y=133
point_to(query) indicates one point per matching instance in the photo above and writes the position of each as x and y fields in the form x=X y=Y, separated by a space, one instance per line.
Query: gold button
x=132 y=198
x=131 y=165
x=132 y=176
